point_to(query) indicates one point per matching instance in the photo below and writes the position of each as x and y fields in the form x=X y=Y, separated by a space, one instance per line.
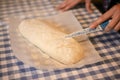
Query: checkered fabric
x=107 y=45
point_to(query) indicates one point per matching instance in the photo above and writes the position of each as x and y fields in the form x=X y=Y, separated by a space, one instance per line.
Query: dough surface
x=50 y=39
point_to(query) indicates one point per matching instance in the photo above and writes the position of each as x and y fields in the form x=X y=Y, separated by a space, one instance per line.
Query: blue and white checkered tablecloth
x=107 y=45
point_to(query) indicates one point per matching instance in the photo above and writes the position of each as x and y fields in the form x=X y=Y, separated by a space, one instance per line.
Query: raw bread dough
x=46 y=36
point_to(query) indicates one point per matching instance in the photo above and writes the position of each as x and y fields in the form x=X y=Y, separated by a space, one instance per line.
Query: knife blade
x=88 y=30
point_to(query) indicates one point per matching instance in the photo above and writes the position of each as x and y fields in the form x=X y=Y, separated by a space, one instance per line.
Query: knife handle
x=104 y=24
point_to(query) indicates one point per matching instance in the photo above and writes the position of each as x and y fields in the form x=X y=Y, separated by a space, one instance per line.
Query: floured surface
x=33 y=56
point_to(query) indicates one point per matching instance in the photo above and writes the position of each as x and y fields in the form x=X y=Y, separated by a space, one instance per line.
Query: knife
x=88 y=30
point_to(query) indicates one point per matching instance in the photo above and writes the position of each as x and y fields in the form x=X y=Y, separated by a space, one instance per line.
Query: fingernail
x=63 y=5
x=90 y=11
x=91 y=26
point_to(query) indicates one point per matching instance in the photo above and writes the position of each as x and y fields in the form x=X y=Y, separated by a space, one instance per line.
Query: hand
x=114 y=14
x=67 y=4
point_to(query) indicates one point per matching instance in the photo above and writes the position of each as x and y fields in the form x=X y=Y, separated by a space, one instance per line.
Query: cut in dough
x=46 y=36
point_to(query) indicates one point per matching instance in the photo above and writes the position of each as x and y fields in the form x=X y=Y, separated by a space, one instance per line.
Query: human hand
x=67 y=4
x=114 y=14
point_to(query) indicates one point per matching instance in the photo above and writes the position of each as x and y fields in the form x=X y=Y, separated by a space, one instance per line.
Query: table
x=107 y=45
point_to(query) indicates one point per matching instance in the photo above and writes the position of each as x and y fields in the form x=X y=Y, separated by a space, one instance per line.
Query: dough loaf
x=46 y=36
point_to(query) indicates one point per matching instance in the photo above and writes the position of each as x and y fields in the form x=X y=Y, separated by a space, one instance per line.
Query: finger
x=113 y=22
x=62 y=5
x=69 y=5
x=102 y=18
x=88 y=6
x=117 y=27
